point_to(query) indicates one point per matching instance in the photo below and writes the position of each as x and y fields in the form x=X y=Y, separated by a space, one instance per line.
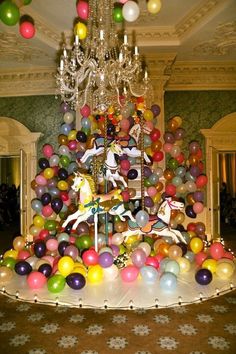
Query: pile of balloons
x=10 y=16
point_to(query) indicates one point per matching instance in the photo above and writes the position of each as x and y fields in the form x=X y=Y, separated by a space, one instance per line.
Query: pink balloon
x=198 y=207
x=200 y=258
x=71 y=251
x=41 y=180
x=47 y=211
x=138 y=257
x=217 y=250
x=167 y=147
x=49 y=259
x=72 y=145
x=23 y=254
x=228 y=255
x=123 y=1
x=129 y=273
x=36 y=280
x=52 y=244
x=125 y=165
x=83 y=9
x=47 y=150
x=27 y=29
x=85 y=110
x=151 y=191
x=152 y=261
x=90 y=257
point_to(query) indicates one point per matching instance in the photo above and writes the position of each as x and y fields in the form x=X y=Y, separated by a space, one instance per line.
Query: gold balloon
x=157 y=244
x=175 y=252
x=18 y=243
x=210 y=264
x=225 y=270
x=184 y=264
x=154 y=6
x=180 y=217
x=5 y=274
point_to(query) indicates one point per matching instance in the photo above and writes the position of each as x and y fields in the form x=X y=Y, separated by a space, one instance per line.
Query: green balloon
x=56 y=283
x=147 y=183
x=9 y=262
x=117 y=14
x=83 y=242
x=9 y=13
x=50 y=225
x=149 y=240
x=173 y=164
x=64 y=161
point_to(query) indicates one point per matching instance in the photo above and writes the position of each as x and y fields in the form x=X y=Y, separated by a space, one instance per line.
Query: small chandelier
x=98 y=70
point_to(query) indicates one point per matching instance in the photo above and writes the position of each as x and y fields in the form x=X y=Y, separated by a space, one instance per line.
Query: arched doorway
x=219 y=139
x=17 y=140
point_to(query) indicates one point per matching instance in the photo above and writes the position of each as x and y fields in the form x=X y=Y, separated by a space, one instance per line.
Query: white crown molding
x=164 y=73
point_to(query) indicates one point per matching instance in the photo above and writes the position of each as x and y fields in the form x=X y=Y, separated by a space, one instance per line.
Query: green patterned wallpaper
x=37 y=113
x=199 y=110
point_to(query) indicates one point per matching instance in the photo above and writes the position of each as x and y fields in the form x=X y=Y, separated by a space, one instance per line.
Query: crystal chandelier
x=98 y=70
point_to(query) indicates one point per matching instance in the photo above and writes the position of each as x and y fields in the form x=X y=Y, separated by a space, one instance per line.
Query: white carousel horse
x=93 y=204
x=160 y=225
x=130 y=151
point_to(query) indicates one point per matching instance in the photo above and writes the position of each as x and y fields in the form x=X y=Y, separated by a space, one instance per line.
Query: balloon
x=210 y=264
x=132 y=174
x=36 y=280
x=9 y=13
x=76 y=281
x=190 y=212
x=129 y=273
x=117 y=14
x=90 y=257
x=80 y=30
x=71 y=251
x=63 y=245
x=57 y=205
x=27 y=29
x=8 y=262
x=138 y=257
x=184 y=264
x=56 y=283
x=196 y=244
x=203 y=276
x=40 y=249
x=82 y=8
x=142 y=218
x=83 y=242
x=172 y=266
x=156 y=110
x=68 y=118
x=111 y=273
x=158 y=156
x=216 y=250
x=175 y=252
x=198 y=207
x=65 y=265
x=130 y=11
x=200 y=257
x=168 y=282
x=105 y=259
x=23 y=268
x=95 y=274
x=148 y=274
x=225 y=270
x=5 y=274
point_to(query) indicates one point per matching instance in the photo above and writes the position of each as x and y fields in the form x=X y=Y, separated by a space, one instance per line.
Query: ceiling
x=192 y=32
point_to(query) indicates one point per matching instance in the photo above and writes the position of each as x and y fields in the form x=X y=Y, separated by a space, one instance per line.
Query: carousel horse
x=94 y=204
x=128 y=147
x=160 y=224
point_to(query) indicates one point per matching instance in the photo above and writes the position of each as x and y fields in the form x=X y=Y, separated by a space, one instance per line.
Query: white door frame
x=14 y=136
x=221 y=137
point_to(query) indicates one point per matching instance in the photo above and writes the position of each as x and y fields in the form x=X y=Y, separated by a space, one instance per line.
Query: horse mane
x=90 y=181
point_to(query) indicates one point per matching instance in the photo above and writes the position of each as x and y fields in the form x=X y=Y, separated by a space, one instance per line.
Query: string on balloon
x=142 y=159
x=105 y=180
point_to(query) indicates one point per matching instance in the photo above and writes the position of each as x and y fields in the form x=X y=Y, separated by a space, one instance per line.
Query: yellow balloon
x=154 y=6
x=5 y=274
x=210 y=264
x=225 y=270
x=95 y=274
x=80 y=270
x=196 y=244
x=10 y=253
x=149 y=151
x=18 y=243
x=72 y=134
x=148 y=115
x=62 y=185
x=38 y=221
x=157 y=197
x=178 y=119
x=184 y=264
x=80 y=30
x=48 y=173
x=191 y=234
x=65 y=265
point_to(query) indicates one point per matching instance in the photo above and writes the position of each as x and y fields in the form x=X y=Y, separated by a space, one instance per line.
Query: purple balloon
x=148 y=202
x=64 y=107
x=46 y=199
x=179 y=134
x=52 y=182
x=46 y=269
x=156 y=110
x=62 y=247
x=71 y=251
x=57 y=205
x=105 y=259
x=147 y=171
x=132 y=174
x=194 y=147
x=198 y=196
x=190 y=212
x=169 y=138
x=195 y=171
x=40 y=190
x=203 y=276
x=40 y=249
x=138 y=257
x=23 y=268
x=75 y=281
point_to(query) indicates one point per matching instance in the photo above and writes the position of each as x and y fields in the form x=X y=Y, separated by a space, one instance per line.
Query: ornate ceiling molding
x=27 y=83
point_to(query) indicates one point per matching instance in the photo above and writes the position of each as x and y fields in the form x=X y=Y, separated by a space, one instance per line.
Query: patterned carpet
x=204 y=328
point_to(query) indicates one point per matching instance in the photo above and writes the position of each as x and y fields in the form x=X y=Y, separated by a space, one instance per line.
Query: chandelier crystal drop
x=98 y=70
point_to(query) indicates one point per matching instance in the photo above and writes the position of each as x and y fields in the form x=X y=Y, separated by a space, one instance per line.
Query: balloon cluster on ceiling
x=10 y=16
x=129 y=10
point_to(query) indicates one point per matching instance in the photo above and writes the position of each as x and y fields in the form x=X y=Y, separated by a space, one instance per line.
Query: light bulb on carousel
x=97 y=70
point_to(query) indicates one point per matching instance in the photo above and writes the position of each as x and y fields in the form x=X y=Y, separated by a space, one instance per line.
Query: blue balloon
x=168 y=281
x=173 y=267
x=149 y=274
x=76 y=281
x=23 y=268
x=203 y=276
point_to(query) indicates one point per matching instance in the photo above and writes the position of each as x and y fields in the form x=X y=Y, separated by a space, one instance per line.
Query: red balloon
x=180 y=158
x=201 y=181
x=125 y=196
x=191 y=226
x=158 y=156
x=155 y=134
x=170 y=190
x=27 y=29
x=217 y=250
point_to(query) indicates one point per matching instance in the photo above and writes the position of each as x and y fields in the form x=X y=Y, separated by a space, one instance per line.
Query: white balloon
x=130 y=11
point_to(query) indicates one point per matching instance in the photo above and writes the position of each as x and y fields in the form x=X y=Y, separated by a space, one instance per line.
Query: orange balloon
x=190 y=199
x=62 y=139
x=173 y=213
x=157 y=244
x=168 y=174
x=164 y=249
x=159 y=186
x=156 y=145
x=172 y=125
x=175 y=252
x=193 y=160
